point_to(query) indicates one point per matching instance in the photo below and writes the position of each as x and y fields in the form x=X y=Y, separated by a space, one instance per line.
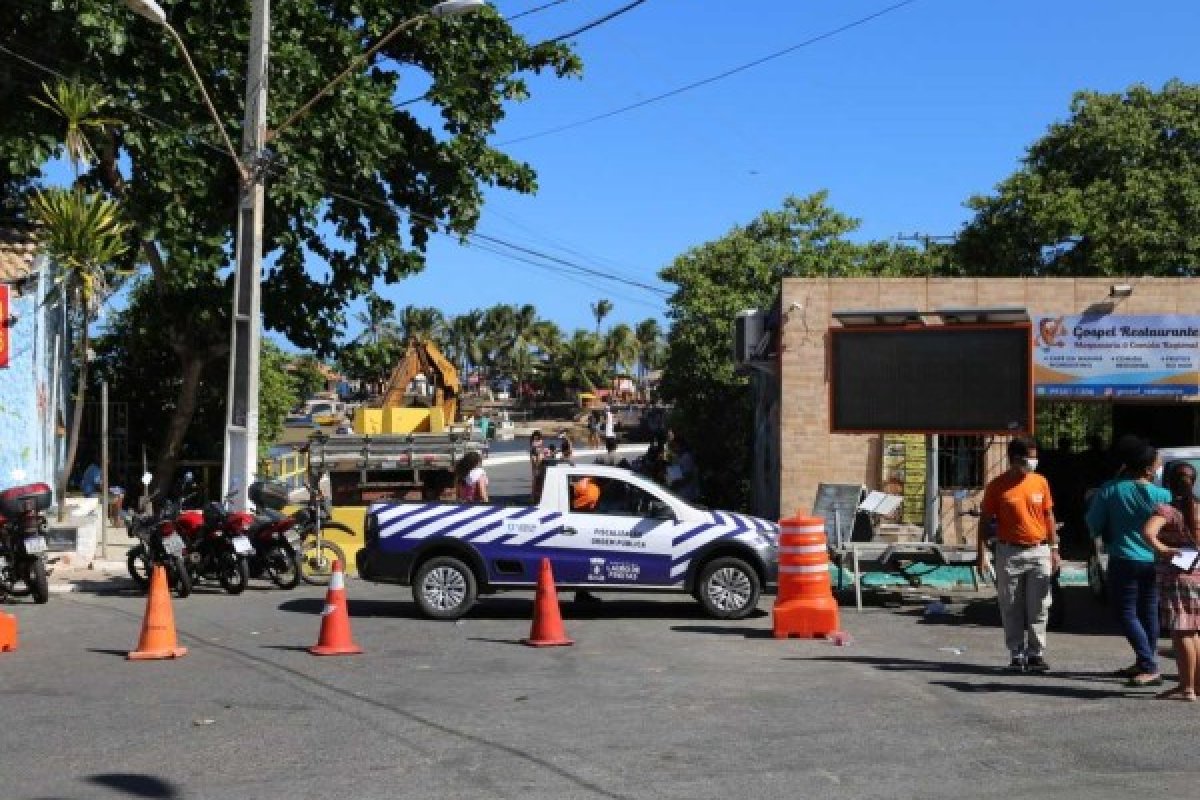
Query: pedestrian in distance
x=593 y=427
x=1117 y=514
x=566 y=450
x=472 y=480
x=610 y=423
x=1018 y=512
x=537 y=459
x=1171 y=532
x=610 y=457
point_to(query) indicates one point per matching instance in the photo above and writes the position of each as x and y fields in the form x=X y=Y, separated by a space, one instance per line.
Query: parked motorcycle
x=159 y=543
x=316 y=553
x=217 y=547
x=272 y=535
x=23 y=541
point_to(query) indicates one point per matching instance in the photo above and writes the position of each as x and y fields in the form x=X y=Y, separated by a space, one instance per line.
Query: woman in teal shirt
x=1116 y=514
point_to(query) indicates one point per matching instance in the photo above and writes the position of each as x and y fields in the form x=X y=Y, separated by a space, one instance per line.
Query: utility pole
x=241 y=428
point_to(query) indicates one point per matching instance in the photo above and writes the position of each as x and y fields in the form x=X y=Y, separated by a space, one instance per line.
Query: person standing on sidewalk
x=1117 y=514
x=1170 y=532
x=1019 y=512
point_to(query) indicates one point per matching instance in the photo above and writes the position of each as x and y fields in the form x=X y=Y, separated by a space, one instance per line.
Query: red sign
x=3 y=325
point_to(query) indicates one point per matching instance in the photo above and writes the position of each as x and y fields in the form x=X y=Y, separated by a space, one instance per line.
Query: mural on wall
x=1117 y=356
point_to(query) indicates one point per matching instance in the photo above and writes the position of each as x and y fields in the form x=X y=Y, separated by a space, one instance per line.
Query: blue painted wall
x=28 y=442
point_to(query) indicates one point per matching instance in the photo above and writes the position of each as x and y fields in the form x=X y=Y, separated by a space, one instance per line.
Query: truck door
x=616 y=533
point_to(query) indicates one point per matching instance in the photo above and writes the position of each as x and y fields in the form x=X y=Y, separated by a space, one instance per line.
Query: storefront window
x=961 y=461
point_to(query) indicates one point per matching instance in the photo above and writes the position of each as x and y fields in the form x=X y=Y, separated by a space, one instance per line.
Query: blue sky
x=901 y=119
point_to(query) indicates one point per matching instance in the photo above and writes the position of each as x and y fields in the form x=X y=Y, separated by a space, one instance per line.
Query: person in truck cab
x=585 y=496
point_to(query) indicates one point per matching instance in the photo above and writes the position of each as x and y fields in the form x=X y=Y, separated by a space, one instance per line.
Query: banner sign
x=1112 y=356
x=3 y=325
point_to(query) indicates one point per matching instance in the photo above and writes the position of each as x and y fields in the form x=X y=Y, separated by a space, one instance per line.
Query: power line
x=714 y=78
x=575 y=268
x=597 y=22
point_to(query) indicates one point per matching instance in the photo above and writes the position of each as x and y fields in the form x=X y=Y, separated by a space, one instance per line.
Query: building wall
x=810 y=454
x=30 y=449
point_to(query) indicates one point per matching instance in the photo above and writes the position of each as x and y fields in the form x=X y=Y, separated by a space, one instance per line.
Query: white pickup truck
x=634 y=536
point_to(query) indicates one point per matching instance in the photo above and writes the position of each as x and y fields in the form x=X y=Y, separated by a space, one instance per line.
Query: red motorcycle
x=217 y=545
x=23 y=541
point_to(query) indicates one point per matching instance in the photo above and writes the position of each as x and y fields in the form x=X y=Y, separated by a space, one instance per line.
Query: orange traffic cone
x=158 y=628
x=335 y=638
x=8 y=633
x=547 y=629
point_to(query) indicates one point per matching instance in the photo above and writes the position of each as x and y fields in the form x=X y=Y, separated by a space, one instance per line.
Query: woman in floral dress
x=1169 y=530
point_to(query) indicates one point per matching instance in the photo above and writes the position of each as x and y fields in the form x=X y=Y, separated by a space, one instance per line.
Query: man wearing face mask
x=1018 y=511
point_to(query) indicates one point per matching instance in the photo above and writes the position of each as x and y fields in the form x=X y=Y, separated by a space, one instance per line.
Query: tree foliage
x=377 y=175
x=743 y=269
x=1113 y=190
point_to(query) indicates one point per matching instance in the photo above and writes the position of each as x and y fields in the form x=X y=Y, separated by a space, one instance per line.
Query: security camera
x=796 y=307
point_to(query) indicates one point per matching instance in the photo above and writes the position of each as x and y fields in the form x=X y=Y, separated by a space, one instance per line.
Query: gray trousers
x=1023 y=580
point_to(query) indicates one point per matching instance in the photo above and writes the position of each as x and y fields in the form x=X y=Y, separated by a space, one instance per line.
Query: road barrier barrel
x=804 y=605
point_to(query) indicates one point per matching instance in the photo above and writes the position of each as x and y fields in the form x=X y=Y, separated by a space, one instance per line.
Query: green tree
x=358 y=165
x=420 y=322
x=621 y=347
x=601 y=309
x=743 y=269
x=1115 y=189
x=376 y=320
x=278 y=393
x=307 y=377
x=650 y=345
x=580 y=361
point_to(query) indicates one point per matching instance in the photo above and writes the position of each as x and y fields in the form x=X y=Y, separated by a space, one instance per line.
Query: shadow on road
x=134 y=784
x=1039 y=689
x=509 y=608
x=728 y=630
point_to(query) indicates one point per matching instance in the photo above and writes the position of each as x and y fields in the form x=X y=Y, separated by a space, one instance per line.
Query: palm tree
x=601 y=309
x=463 y=335
x=80 y=105
x=420 y=322
x=84 y=236
x=376 y=320
x=82 y=233
x=649 y=339
x=496 y=334
x=621 y=347
x=581 y=361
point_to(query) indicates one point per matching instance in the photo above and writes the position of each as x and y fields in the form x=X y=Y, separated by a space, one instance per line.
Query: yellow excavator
x=421 y=395
x=408 y=445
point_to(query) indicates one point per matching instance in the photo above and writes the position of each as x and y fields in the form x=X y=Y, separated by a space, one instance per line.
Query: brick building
x=796 y=451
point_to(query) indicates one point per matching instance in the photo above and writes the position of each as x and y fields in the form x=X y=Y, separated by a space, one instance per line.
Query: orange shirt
x=1021 y=505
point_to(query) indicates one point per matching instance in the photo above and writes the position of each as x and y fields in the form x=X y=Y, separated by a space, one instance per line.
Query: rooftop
x=18 y=248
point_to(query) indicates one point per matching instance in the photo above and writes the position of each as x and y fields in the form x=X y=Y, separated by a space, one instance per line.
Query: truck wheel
x=728 y=588
x=444 y=588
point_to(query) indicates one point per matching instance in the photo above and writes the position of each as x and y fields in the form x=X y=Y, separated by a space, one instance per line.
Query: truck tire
x=444 y=588
x=728 y=588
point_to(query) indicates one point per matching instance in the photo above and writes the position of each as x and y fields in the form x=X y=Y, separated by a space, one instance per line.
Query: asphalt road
x=654 y=701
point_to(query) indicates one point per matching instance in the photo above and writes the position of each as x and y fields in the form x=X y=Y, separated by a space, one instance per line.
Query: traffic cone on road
x=158 y=627
x=335 y=638
x=547 y=629
x=8 y=633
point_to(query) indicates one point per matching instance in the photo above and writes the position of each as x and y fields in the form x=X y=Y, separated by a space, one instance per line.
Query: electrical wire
x=713 y=78
x=571 y=267
x=597 y=22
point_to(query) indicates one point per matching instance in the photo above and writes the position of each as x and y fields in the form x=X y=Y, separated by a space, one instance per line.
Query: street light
x=153 y=12
x=241 y=429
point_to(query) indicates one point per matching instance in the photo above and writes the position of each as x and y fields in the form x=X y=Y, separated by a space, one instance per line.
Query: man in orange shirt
x=1019 y=512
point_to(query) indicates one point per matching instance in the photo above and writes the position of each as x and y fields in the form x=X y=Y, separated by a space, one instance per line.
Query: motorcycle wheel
x=138 y=564
x=283 y=565
x=234 y=573
x=180 y=577
x=35 y=578
x=317 y=567
x=16 y=585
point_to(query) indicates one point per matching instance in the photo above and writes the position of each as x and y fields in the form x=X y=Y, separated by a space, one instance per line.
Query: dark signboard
x=937 y=379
